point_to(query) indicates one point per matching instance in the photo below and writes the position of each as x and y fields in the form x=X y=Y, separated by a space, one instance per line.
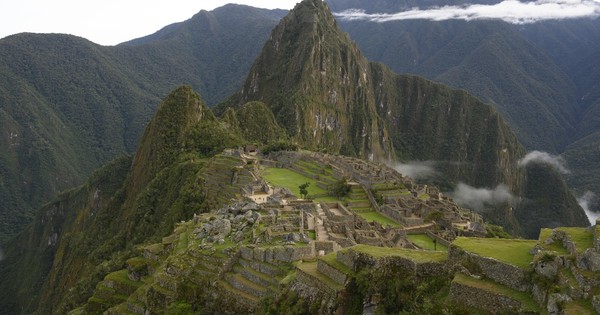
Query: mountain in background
x=543 y=77
x=310 y=85
x=68 y=106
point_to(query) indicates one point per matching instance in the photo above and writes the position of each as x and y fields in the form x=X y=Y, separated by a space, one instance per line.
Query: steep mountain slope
x=329 y=97
x=327 y=94
x=542 y=77
x=212 y=51
x=62 y=117
x=68 y=106
x=54 y=264
x=488 y=59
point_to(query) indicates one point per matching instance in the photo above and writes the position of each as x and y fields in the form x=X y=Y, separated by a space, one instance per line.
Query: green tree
x=303 y=190
x=341 y=188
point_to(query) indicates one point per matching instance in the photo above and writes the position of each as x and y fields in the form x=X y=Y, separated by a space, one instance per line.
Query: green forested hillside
x=68 y=106
x=85 y=233
x=63 y=116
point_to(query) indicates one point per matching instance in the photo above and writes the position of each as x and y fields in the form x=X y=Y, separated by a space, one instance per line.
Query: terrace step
x=241 y=283
x=256 y=277
x=332 y=271
x=497 y=298
x=308 y=273
x=264 y=268
x=248 y=298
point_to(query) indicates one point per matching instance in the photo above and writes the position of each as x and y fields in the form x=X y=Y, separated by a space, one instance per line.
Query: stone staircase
x=358 y=200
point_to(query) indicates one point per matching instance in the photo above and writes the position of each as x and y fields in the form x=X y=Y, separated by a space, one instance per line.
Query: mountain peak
x=166 y=132
x=315 y=80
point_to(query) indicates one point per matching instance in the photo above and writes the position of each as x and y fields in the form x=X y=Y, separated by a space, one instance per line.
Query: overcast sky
x=108 y=22
x=511 y=11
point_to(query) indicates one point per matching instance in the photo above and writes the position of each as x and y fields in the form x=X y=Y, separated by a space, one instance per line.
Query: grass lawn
x=331 y=260
x=582 y=238
x=374 y=216
x=418 y=256
x=527 y=303
x=282 y=177
x=510 y=251
x=425 y=242
x=579 y=307
x=554 y=246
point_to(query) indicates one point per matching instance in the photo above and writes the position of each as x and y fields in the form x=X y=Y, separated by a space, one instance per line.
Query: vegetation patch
x=512 y=251
x=373 y=216
x=291 y=180
x=332 y=261
x=425 y=242
x=418 y=256
x=578 y=307
x=554 y=246
x=582 y=237
x=311 y=269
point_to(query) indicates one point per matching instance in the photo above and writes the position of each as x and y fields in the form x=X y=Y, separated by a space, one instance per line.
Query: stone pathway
x=322 y=234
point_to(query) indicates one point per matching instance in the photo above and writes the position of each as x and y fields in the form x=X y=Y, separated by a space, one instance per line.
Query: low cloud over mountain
x=416 y=169
x=478 y=198
x=586 y=201
x=511 y=11
x=543 y=157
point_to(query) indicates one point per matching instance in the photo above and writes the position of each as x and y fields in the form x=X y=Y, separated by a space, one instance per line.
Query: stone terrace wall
x=331 y=272
x=392 y=213
x=354 y=261
x=438 y=239
x=503 y=273
x=278 y=254
x=314 y=283
x=481 y=299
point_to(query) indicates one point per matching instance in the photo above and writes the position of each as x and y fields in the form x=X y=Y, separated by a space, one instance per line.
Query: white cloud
x=511 y=11
x=542 y=157
x=586 y=202
x=416 y=169
x=478 y=198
